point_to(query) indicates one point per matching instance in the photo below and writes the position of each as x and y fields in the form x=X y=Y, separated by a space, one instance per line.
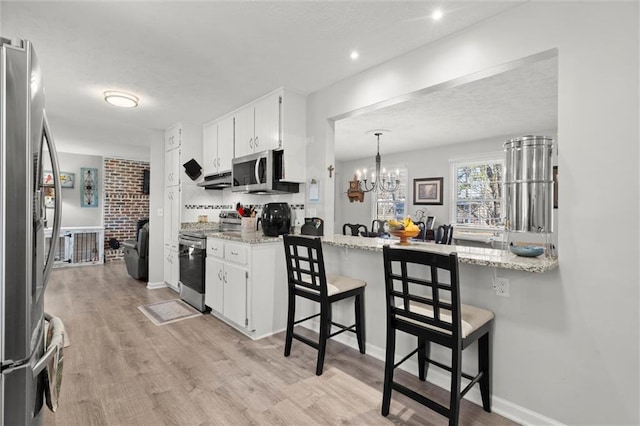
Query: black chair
x=444 y=234
x=307 y=279
x=415 y=281
x=136 y=254
x=355 y=229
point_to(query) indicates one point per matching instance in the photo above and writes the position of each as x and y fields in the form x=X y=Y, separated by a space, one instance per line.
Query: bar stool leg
x=424 y=352
x=484 y=365
x=388 y=370
x=290 y=320
x=325 y=319
x=360 y=330
x=454 y=402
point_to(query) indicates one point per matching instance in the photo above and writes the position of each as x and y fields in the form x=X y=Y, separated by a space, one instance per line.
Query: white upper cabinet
x=225 y=143
x=217 y=149
x=173 y=137
x=258 y=126
x=244 y=119
x=267 y=123
x=210 y=147
x=277 y=120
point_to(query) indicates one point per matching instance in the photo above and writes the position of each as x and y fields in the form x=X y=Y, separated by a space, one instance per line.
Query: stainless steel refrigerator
x=25 y=141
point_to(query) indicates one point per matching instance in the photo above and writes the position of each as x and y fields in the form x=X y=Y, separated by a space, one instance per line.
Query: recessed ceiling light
x=354 y=55
x=436 y=15
x=121 y=99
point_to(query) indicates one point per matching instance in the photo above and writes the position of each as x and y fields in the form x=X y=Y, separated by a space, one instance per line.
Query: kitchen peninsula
x=471 y=255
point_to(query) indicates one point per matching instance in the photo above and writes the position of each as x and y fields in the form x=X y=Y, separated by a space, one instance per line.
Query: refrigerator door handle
x=57 y=199
x=46 y=358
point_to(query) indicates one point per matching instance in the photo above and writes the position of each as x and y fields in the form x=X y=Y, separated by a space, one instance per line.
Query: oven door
x=192 y=253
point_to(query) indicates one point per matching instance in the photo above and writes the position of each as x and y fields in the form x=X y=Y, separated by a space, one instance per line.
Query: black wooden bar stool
x=423 y=299
x=307 y=279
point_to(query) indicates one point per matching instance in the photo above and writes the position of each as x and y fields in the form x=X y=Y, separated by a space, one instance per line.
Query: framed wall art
x=66 y=179
x=88 y=187
x=428 y=191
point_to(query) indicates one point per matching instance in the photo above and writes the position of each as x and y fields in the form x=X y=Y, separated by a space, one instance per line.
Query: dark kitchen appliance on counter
x=192 y=253
x=313 y=226
x=276 y=219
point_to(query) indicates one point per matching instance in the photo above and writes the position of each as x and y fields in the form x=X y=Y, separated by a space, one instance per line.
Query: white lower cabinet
x=235 y=294
x=171 y=268
x=246 y=285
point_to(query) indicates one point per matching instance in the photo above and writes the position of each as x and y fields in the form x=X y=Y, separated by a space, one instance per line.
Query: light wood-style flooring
x=121 y=369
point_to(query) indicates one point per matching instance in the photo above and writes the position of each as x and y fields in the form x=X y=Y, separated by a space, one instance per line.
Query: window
x=392 y=205
x=477 y=199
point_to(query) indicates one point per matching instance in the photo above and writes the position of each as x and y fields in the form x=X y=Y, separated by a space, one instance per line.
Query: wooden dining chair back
x=423 y=300
x=354 y=229
x=307 y=278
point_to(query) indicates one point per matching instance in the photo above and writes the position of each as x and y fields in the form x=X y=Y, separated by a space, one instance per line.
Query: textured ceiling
x=194 y=61
x=516 y=102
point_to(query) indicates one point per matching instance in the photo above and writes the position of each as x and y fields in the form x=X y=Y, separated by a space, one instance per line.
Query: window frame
x=489 y=157
x=376 y=200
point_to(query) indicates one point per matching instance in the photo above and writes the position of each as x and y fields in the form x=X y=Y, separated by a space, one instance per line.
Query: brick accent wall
x=124 y=202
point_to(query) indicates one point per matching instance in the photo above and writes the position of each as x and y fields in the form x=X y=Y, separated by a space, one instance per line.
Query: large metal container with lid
x=528 y=184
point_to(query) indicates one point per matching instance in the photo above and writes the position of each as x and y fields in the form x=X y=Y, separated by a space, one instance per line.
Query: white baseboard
x=500 y=406
x=154 y=286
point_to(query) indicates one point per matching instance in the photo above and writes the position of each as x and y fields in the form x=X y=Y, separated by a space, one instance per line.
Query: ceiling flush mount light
x=436 y=15
x=121 y=99
x=380 y=181
x=354 y=55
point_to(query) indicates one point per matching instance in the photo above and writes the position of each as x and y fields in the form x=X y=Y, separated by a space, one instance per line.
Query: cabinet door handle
x=225 y=277
x=220 y=274
x=251 y=143
x=255 y=142
x=234 y=253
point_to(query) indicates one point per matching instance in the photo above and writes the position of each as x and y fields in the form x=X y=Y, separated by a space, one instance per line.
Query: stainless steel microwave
x=261 y=173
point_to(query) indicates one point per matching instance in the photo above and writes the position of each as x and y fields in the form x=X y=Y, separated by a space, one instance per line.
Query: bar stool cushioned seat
x=423 y=300
x=307 y=278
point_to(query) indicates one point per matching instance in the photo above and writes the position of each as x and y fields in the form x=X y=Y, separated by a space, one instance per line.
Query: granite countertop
x=242 y=237
x=471 y=255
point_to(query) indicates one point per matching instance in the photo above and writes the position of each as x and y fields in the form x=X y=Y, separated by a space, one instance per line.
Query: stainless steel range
x=192 y=254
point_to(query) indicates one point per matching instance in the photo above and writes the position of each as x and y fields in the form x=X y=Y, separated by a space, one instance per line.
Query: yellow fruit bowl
x=404 y=235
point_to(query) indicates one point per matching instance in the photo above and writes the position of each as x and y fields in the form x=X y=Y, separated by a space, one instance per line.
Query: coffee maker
x=276 y=219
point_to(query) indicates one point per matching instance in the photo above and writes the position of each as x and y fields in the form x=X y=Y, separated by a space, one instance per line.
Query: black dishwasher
x=192 y=254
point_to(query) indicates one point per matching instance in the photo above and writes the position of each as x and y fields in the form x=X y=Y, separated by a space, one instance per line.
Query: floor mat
x=168 y=311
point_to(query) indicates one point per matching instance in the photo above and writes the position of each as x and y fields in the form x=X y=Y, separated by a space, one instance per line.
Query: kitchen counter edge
x=470 y=255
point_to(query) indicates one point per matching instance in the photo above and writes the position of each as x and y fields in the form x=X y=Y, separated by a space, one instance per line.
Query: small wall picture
x=49 y=197
x=66 y=179
x=89 y=187
x=427 y=191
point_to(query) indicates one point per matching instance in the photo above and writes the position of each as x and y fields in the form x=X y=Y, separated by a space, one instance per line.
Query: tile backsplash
x=197 y=201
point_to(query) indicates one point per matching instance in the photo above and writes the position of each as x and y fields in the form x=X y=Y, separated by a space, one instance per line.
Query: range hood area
x=217 y=181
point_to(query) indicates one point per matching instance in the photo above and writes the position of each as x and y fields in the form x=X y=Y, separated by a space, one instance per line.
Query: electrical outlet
x=501 y=286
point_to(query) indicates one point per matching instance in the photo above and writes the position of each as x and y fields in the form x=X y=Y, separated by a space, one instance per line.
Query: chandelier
x=380 y=180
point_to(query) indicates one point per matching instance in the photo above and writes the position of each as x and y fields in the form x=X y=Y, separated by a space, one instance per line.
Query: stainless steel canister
x=529 y=184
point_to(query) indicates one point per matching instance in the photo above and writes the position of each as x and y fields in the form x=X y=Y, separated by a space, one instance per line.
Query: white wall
x=72 y=213
x=574 y=354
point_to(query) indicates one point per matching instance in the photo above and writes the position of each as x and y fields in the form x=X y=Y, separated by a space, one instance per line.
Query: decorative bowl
x=526 y=251
x=404 y=235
